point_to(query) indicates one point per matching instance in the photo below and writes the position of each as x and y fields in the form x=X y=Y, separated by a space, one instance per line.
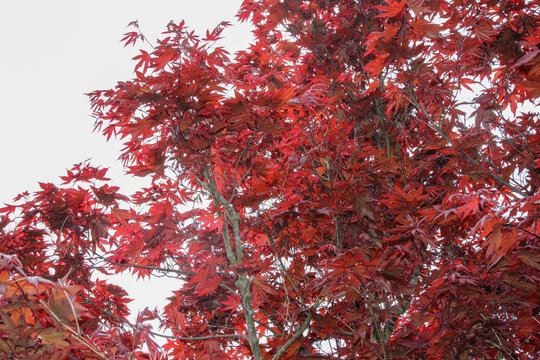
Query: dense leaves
x=362 y=182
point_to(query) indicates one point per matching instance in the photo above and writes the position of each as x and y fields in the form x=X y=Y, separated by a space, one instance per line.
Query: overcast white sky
x=51 y=53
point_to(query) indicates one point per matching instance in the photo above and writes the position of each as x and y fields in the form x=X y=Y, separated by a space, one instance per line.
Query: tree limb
x=295 y=337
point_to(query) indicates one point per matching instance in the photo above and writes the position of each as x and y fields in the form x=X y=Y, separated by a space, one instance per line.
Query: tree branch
x=199 y=338
x=295 y=337
x=243 y=283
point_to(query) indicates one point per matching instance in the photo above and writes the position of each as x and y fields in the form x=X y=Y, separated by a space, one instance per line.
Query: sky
x=51 y=54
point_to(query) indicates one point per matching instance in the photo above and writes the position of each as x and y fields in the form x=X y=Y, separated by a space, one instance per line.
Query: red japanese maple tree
x=362 y=182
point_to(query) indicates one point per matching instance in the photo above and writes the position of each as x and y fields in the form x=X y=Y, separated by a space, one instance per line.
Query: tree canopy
x=361 y=182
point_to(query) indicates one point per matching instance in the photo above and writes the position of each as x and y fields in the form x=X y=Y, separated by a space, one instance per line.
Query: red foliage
x=366 y=177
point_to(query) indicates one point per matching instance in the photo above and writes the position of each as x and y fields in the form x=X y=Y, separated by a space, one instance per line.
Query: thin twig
x=73 y=332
